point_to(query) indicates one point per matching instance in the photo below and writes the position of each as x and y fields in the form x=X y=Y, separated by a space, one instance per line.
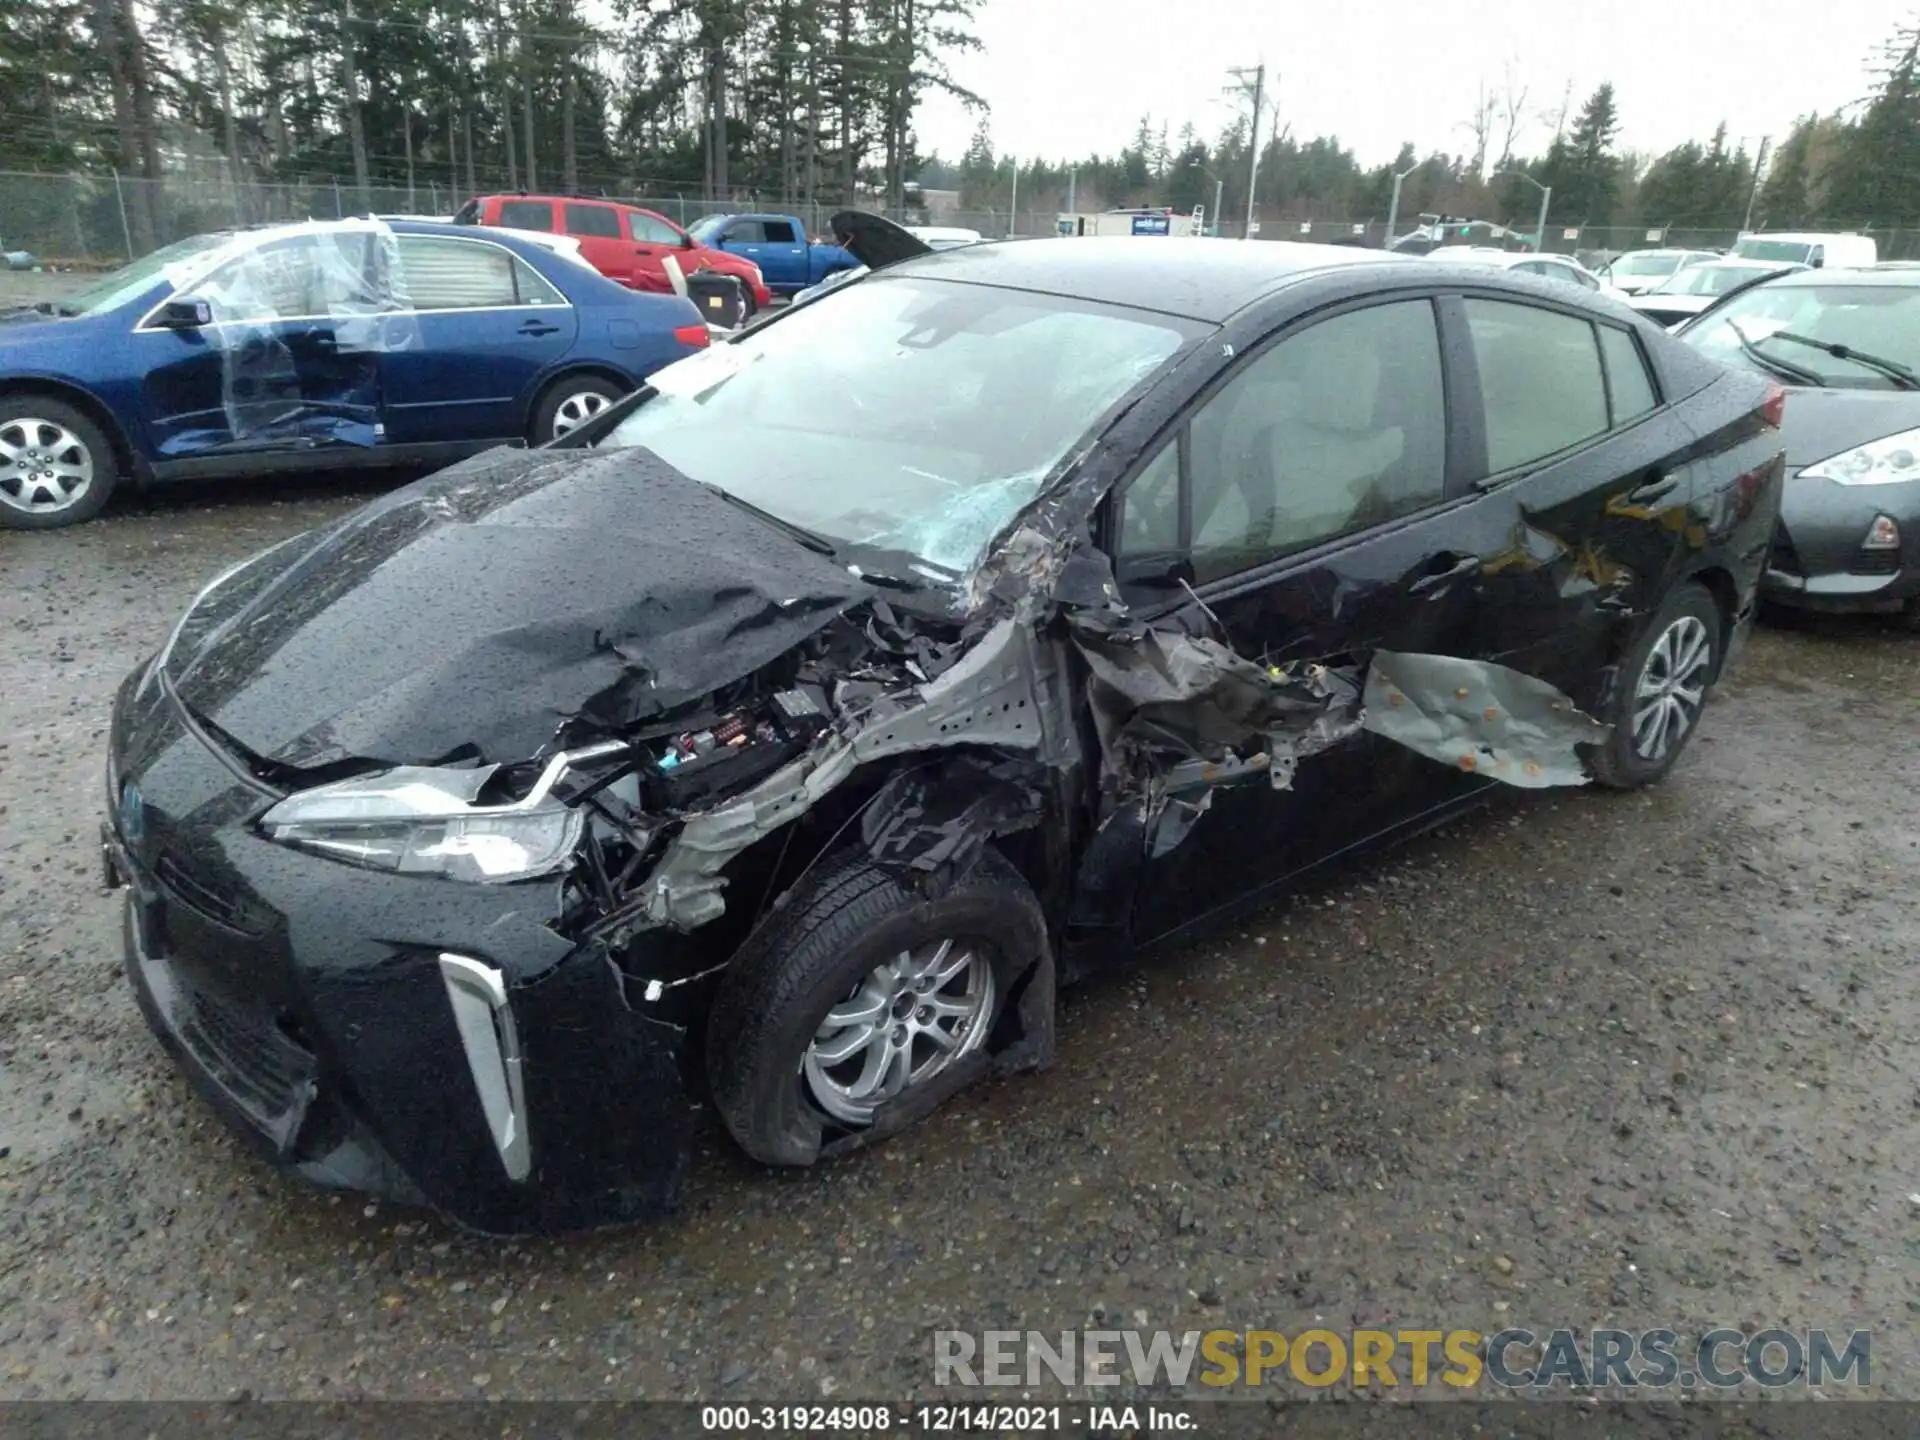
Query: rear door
x=291 y=362
x=1320 y=499
x=603 y=242
x=486 y=326
x=1585 y=480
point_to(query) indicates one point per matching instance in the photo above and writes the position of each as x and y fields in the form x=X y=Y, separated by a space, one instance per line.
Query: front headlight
x=422 y=821
x=1890 y=460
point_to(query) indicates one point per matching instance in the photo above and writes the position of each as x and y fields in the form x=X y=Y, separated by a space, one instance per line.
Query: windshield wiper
x=819 y=544
x=1773 y=364
x=1892 y=369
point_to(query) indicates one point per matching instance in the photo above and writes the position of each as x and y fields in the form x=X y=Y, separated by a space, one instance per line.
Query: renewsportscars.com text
x=1512 y=1358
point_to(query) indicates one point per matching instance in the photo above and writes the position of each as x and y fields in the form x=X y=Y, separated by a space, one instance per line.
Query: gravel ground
x=1580 y=1059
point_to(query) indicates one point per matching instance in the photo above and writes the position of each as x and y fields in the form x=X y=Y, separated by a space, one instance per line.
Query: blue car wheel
x=56 y=467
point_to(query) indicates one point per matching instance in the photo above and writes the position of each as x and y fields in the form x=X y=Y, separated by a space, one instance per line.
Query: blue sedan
x=312 y=347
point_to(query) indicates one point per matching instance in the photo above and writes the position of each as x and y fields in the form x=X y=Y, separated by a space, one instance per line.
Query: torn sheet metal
x=1481 y=718
x=1167 y=691
x=1008 y=692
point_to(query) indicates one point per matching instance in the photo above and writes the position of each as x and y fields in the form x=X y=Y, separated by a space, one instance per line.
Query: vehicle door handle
x=538 y=327
x=1438 y=582
x=324 y=340
x=1657 y=487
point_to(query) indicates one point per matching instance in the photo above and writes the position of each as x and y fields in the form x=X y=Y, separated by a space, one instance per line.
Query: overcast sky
x=1066 y=78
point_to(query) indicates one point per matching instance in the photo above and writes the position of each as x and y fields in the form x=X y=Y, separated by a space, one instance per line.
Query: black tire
x=836 y=926
x=1619 y=764
x=28 y=493
x=563 y=393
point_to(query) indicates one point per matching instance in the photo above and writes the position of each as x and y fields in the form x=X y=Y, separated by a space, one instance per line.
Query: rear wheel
x=569 y=404
x=56 y=467
x=1664 y=688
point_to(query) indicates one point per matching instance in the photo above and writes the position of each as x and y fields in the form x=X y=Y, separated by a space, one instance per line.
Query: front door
x=652 y=240
x=291 y=362
x=486 y=326
x=1320 y=522
x=773 y=245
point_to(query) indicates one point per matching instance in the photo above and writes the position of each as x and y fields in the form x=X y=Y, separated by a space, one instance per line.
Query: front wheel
x=861 y=1001
x=56 y=467
x=570 y=404
x=1664 y=687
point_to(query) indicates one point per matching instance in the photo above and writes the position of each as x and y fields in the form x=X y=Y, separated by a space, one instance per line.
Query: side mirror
x=687 y=242
x=1160 y=570
x=186 y=314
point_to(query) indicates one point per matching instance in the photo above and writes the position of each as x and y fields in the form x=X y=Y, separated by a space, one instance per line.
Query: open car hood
x=483 y=609
x=874 y=240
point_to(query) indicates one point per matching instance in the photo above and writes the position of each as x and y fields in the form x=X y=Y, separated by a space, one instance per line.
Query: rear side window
x=462 y=275
x=526 y=214
x=1540 y=378
x=778 y=232
x=1628 y=382
x=650 y=230
x=598 y=221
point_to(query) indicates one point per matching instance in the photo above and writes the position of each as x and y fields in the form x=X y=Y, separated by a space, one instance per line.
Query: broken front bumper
x=310 y=1003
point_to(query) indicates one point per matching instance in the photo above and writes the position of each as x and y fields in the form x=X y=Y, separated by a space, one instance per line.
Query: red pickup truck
x=622 y=242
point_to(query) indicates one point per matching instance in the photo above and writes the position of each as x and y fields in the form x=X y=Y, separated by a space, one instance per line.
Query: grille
x=1875 y=562
x=247 y=1053
x=1784 y=558
x=202 y=899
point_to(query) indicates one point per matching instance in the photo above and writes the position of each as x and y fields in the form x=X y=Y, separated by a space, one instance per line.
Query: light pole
x=1219 y=186
x=1393 y=210
x=1546 y=199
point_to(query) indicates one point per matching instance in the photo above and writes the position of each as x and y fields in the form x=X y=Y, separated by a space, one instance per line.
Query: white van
x=1842 y=252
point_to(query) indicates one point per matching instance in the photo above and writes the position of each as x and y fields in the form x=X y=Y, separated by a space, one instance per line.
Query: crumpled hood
x=477 y=611
x=1820 y=423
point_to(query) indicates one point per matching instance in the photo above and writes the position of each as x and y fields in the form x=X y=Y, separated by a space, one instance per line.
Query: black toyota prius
x=781 y=741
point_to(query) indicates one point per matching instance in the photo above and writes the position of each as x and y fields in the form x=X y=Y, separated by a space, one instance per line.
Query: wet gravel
x=1580 y=1059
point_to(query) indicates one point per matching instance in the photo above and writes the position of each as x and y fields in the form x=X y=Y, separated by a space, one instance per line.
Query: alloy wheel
x=1672 y=687
x=912 y=1017
x=574 y=411
x=44 y=467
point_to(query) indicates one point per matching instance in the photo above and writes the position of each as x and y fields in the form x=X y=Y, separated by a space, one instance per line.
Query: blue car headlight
x=423 y=821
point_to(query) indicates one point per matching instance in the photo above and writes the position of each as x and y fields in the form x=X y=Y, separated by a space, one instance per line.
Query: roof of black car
x=1200 y=278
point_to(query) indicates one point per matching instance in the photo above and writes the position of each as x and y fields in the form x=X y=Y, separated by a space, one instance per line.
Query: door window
x=462 y=275
x=746 y=232
x=1335 y=428
x=307 y=276
x=1150 y=507
x=600 y=222
x=1540 y=379
x=1628 y=382
x=526 y=214
x=650 y=230
x=779 y=232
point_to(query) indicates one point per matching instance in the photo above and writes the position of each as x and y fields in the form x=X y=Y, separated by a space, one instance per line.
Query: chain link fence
x=96 y=220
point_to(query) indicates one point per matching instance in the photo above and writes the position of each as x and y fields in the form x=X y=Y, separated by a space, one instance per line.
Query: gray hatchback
x=1846 y=343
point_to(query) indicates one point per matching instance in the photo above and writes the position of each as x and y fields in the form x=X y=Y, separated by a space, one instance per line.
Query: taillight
x=698 y=337
x=1773 y=409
